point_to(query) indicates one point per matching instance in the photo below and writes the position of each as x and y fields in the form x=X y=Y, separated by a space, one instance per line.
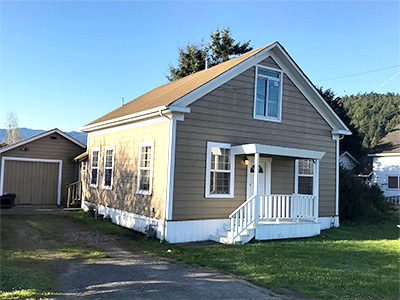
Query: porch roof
x=275 y=150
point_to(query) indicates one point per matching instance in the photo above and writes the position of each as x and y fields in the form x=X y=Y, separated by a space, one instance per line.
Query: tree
x=220 y=48
x=352 y=143
x=13 y=133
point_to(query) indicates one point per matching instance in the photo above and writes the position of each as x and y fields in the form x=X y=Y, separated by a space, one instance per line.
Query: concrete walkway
x=138 y=276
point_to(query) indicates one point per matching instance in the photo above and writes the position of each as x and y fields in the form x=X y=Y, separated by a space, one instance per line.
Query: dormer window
x=268 y=95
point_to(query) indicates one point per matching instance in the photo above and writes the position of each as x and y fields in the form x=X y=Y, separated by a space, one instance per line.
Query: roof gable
x=181 y=93
x=39 y=136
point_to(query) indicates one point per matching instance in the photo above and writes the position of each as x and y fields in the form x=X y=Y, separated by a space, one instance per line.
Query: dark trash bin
x=7 y=200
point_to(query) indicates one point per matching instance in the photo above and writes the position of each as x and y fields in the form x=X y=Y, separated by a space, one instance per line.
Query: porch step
x=225 y=236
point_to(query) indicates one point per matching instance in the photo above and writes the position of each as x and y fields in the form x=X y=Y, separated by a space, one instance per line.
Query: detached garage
x=38 y=169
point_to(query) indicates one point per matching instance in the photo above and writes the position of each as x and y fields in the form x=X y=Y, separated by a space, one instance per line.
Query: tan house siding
x=47 y=148
x=226 y=115
x=123 y=194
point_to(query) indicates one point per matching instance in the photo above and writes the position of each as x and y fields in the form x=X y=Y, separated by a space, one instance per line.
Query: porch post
x=316 y=189
x=257 y=198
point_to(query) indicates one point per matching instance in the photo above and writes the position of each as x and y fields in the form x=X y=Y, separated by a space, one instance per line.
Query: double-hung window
x=304 y=183
x=219 y=171
x=394 y=182
x=94 y=167
x=108 y=167
x=268 y=95
x=145 y=168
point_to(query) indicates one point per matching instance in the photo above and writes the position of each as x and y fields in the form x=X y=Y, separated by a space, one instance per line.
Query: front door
x=264 y=176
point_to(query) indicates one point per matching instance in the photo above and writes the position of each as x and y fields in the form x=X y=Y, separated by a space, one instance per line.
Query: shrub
x=359 y=199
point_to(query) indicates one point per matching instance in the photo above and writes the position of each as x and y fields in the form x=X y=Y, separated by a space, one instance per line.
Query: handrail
x=243 y=204
x=74 y=192
x=72 y=183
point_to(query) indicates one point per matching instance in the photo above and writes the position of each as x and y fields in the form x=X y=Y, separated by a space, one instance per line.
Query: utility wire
x=386 y=82
x=357 y=74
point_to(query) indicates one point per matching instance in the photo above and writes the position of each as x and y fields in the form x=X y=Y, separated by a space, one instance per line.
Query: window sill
x=107 y=188
x=267 y=119
x=93 y=186
x=147 y=193
x=220 y=196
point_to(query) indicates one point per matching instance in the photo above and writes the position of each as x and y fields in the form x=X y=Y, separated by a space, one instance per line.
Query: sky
x=66 y=63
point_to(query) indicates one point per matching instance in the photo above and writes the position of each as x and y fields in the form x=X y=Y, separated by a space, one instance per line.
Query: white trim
x=275 y=150
x=314 y=175
x=337 y=177
x=384 y=154
x=194 y=230
x=151 y=169
x=171 y=169
x=398 y=182
x=94 y=149
x=267 y=176
x=208 y=171
x=152 y=121
x=108 y=187
x=222 y=78
x=328 y=222
x=39 y=136
x=349 y=155
x=59 y=176
x=145 y=114
x=280 y=80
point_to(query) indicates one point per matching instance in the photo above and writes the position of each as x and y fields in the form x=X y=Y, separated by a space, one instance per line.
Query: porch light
x=246 y=161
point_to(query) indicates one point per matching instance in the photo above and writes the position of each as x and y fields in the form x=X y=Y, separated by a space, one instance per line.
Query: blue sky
x=64 y=64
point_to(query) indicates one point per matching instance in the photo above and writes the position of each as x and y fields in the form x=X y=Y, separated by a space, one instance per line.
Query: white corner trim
x=276 y=150
x=94 y=149
x=39 y=136
x=337 y=177
x=108 y=187
x=59 y=175
x=171 y=168
x=141 y=145
x=207 y=193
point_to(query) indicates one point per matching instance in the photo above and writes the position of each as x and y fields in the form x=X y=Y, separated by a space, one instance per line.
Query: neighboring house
x=386 y=163
x=247 y=148
x=348 y=161
x=37 y=169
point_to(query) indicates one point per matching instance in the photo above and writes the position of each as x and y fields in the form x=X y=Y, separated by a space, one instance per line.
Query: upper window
x=268 y=95
x=220 y=171
x=94 y=167
x=305 y=176
x=393 y=182
x=145 y=169
x=108 y=167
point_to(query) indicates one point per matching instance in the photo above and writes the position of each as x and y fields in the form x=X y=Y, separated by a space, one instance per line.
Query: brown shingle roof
x=389 y=144
x=167 y=93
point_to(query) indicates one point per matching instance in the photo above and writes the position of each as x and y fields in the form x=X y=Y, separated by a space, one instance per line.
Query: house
x=38 y=169
x=245 y=149
x=347 y=161
x=386 y=164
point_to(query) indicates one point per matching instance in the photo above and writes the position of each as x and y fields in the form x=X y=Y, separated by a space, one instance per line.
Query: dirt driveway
x=92 y=265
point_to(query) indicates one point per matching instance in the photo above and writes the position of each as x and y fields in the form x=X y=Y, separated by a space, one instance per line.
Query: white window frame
x=138 y=190
x=94 y=149
x=108 y=187
x=280 y=80
x=208 y=171
x=296 y=176
x=398 y=183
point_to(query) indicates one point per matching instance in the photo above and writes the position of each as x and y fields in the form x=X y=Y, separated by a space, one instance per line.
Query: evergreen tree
x=220 y=48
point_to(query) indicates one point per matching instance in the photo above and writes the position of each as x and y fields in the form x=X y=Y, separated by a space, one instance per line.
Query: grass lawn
x=354 y=261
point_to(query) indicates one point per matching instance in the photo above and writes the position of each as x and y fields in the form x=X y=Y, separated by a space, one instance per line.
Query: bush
x=359 y=199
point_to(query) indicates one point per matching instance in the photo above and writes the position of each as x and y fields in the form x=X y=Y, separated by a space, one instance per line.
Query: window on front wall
x=268 y=95
x=94 y=167
x=145 y=168
x=108 y=167
x=305 y=176
x=394 y=182
x=220 y=171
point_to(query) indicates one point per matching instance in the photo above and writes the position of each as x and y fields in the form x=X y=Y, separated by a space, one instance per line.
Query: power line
x=386 y=82
x=357 y=74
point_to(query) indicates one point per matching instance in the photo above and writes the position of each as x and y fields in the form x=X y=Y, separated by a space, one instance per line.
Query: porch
x=267 y=216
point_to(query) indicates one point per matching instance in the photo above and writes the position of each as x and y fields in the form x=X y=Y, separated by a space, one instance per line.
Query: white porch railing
x=273 y=207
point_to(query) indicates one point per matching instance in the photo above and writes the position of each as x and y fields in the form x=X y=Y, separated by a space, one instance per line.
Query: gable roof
x=184 y=91
x=389 y=144
x=39 y=136
x=346 y=153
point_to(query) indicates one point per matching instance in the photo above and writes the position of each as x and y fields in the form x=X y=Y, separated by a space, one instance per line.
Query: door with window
x=264 y=176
